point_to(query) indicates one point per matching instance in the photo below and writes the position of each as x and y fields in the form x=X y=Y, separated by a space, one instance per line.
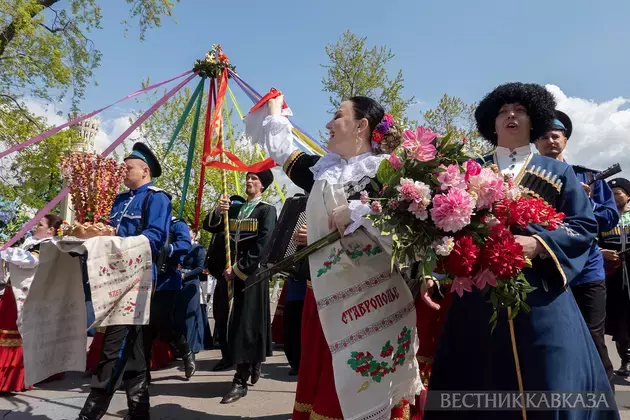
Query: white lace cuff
x=272 y=132
x=358 y=211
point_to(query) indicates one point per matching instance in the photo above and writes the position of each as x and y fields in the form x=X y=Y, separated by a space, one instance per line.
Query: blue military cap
x=141 y=151
x=622 y=183
x=563 y=122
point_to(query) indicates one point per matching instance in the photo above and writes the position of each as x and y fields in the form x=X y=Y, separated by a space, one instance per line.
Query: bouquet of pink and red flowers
x=94 y=182
x=457 y=218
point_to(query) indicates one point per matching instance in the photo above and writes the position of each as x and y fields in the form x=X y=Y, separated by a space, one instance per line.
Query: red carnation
x=501 y=254
x=377 y=136
x=463 y=260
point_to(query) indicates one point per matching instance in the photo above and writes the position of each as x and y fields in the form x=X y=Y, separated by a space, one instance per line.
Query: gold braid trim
x=9 y=332
x=302 y=407
x=315 y=416
x=288 y=165
x=406 y=413
x=10 y=342
x=309 y=284
x=554 y=257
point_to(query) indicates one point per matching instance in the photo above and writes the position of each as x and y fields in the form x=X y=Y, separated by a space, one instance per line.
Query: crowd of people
x=579 y=271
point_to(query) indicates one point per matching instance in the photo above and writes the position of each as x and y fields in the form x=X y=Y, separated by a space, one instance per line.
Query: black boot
x=255 y=373
x=624 y=354
x=95 y=406
x=138 y=398
x=238 y=391
x=189 y=364
x=183 y=349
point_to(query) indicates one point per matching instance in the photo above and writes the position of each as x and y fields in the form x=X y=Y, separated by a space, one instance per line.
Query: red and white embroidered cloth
x=367 y=315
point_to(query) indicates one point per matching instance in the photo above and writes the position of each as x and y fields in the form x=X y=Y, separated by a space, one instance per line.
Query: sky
x=577 y=48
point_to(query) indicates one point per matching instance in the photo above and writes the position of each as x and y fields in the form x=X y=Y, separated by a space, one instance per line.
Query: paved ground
x=174 y=398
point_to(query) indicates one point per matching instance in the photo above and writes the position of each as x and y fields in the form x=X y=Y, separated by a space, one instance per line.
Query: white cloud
x=110 y=128
x=48 y=111
x=601 y=131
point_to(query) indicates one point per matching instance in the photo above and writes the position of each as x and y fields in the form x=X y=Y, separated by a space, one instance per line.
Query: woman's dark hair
x=53 y=221
x=538 y=101
x=368 y=108
x=371 y=110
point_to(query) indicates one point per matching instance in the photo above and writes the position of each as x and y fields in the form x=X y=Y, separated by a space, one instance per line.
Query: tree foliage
x=355 y=69
x=46 y=55
x=452 y=114
x=46 y=52
x=157 y=131
x=33 y=175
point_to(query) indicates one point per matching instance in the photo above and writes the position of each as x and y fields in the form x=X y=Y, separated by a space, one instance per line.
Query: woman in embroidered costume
x=359 y=342
x=24 y=257
x=548 y=348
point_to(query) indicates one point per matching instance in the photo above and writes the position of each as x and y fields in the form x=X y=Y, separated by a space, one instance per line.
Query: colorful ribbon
x=184 y=116
x=255 y=97
x=48 y=207
x=191 y=150
x=230 y=133
x=55 y=130
x=206 y=149
x=260 y=152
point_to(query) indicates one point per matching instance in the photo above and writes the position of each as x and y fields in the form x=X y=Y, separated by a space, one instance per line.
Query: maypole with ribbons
x=216 y=68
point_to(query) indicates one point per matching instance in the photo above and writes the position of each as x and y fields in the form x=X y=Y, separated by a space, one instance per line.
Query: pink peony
x=472 y=168
x=395 y=161
x=376 y=207
x=451 y=178
x=484 y=277
x=487 y=186
x=418 y=210
x=407 y=189
x=393 y=204
x=419 y=144
x=460 y=284
x=451 y=211
x=364 y=197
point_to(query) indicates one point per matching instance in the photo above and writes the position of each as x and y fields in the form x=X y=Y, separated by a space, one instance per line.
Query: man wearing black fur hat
x=549 y=347
x=215 y=263
x=251 y=226
x=589 y=287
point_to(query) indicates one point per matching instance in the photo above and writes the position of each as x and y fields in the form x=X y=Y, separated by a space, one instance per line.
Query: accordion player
x=292 y=217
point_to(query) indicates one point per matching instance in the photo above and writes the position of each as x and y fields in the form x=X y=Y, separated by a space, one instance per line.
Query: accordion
x=282 y=245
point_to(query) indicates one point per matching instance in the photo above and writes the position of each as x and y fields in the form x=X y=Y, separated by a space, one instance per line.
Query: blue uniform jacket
x=605 y=211
x=193 y=263
x=127 y=212
x=177 y=250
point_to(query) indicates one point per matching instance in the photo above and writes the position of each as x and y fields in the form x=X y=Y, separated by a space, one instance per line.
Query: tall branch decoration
x=94 y=182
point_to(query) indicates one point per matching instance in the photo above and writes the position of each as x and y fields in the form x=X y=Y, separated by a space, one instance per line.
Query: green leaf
x=385 y=172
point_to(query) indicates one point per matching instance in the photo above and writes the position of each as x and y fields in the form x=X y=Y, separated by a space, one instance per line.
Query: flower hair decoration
x=381 y=130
